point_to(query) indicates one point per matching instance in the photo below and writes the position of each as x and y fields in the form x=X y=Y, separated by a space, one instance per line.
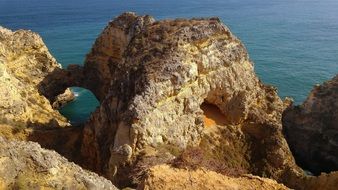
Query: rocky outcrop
x=24 y=63
x=311 y=129
x=158 y=82
x=27 y=115
x=165 y=177
x=25 y=165
x=63 y=99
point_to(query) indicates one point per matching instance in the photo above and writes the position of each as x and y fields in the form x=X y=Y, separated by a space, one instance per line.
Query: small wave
x=78 y=92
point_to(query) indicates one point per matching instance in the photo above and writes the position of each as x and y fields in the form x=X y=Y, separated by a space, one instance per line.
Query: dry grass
x=196 y=158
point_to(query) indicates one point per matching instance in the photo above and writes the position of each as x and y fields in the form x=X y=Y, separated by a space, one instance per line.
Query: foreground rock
x=25 y=165
x=163 y=177
x=311 y=129
x=324 y=181
x=24 y=63
x=25 y=114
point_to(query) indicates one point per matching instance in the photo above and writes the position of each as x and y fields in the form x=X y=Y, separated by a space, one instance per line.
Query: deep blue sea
x=294 y=43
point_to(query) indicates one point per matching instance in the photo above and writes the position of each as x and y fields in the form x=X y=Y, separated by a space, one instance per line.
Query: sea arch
x=81 y=107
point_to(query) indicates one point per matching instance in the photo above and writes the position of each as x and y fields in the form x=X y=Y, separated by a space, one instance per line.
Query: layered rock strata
x=311 y=129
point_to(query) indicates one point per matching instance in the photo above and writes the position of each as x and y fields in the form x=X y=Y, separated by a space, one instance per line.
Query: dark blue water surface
x=294 y=43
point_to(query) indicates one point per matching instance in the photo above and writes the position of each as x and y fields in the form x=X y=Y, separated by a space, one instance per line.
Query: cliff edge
x=24 y=63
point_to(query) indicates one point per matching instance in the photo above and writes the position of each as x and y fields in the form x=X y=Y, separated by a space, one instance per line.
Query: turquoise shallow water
x=294 y=43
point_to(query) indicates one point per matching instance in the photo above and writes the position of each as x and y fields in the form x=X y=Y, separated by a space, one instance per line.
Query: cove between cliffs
x=79 y=110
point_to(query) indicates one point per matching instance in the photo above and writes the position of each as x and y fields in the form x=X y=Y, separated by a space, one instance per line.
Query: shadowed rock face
x=152 y=77
x=311 y=129
x=25 y=165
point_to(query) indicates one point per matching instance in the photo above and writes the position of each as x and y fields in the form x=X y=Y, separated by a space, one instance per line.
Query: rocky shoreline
x=179 y=101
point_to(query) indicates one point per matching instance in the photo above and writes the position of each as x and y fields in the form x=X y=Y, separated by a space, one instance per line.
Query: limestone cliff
x=311 y=129
x=179 y=101
x=25 y=165
x=24 y=62
x=158 y=82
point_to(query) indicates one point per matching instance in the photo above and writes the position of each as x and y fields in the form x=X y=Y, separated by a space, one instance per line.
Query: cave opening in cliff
x=79 y=110
x=212 y=115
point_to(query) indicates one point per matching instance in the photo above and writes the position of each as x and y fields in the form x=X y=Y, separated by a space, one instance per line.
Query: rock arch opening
x=79 y=110
x=223 y=147
x=232 y=145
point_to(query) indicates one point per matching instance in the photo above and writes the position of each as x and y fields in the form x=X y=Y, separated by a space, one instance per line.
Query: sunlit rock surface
x=152 y=77
x=24 y=63
x=25 y=165
x=164 y=177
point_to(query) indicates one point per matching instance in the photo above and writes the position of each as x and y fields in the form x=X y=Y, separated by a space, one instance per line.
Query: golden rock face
x=24 y=62
x=154 y=76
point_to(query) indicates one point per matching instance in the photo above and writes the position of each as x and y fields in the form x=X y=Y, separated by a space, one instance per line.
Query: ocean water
x=294 y=43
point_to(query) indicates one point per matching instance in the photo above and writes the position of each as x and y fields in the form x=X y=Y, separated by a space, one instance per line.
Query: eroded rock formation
x=311 y=129
x=27 y=115
x=154 y=76
x=25 y=165
x=24 y=63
